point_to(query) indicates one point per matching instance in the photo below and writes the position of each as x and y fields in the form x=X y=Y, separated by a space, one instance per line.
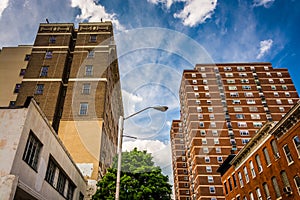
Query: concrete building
x=222 y=107
x=35 y=164
x=13 y=63
x=268 y=166
x=73 y=75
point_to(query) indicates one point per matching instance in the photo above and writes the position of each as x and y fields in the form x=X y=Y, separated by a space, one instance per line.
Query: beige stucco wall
x=11 y=62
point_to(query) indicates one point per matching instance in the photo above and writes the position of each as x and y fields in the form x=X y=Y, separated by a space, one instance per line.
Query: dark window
x=50 y=171
x=297 y=144
x=93 y=38
x=230 y=185
x=22 y=72
x=12 y=103
x=83 y=109
x=44 y=71
x=91 y=54
x=48 y=55
x=61 y=182
x=234 y=180
x=70 y=193
x=52 y=39
x=81 y=197
x=17 y=88
x=32 y=151
x=27 y=57
x=39 y=89
x=288 y=154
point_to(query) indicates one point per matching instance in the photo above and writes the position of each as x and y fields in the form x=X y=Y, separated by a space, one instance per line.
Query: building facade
x=222 y=107
x=34 y=162
x=13 y=63
x=73 y=75
x=268 y=166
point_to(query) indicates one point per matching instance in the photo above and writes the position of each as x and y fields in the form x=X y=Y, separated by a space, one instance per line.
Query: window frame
x=32 y=151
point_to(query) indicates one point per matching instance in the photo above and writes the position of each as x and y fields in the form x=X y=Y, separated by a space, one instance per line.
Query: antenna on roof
x=47 y=20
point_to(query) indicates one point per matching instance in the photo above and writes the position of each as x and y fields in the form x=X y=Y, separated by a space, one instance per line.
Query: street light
x=120 y=136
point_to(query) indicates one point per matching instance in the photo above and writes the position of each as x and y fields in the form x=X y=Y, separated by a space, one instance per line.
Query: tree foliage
x=140 y=179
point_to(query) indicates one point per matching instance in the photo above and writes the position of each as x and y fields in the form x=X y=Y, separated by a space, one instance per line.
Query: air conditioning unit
x=287 y=190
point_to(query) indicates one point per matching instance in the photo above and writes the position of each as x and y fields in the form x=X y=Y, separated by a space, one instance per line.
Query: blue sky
x=181 y=34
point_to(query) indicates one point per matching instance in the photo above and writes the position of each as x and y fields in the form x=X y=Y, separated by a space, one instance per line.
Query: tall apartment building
x=13 y=63
x=73 y=75
x=222 y=107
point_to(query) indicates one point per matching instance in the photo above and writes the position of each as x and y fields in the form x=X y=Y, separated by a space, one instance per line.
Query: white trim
x=42 y=79
x=87 y=32
x=88 y=79
x=92 y=46
x=54 y=33
x=50 y=47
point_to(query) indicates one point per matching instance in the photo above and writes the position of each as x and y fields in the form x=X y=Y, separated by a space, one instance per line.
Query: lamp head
x=161 y=108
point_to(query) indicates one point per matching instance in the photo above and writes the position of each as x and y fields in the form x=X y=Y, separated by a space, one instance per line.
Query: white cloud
x=265 y=46
x=196 y=12
x=167 y=3
x=92 y=12
x=265 y=3
x=3 y=5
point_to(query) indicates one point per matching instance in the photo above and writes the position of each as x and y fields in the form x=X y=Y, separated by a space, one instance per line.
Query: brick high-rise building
x=73 y=75
x=222 y=107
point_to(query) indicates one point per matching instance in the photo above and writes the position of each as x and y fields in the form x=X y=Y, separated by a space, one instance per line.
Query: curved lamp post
x=120 y=137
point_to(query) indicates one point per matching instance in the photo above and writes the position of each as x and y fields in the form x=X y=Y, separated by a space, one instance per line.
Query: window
x=17 y=88
x=234 y=94
x=50 y=173
x=255 y=116
x=204 y=141
x=91 y=54
x=271 y=80
x=61 y=182
x=243 y=74
x=205 y=150
x=246 y=87
x=83 y=109
x=206 y=87
x=44 y=71
x=242 y=124
x=250 y=101
x=12 y=103
x=86 y=87
x=258 y=193
x=281 y=109
x=297 y=183
x=241 y=179
x=266 y=155
x=246 y=174
x=258 y=163
x=278 y=101
x=216 y=141
x=275 y=149
x=213 y=124
x=212 y=189
x=22 y=72
x=88 y=70
x=290 y=101
x=232 y=88
x=276 y=187
x=279 y=74
x=32 y=150
x=244 y=81
x=200 y=116
x=203 y=75
x=253 y=109
x=230 y=81
x=199 y=109
x=196 y=94
x=39 y=89
x=227 y=69
x=297 y=144
x=210 y=109
x=287 y=94
x=93 y=38
x=208 y=101
x=248 y=94
x=257 y=124
x=268 y=74
x=202 y=132
x=218 y=150
x=220 y=159
x=288 y=154
x=238 y=109
x=240 y=116
x=52 y=39
x=194 y=81
x=211 y=116
x=208 y=169
x=285 y=179
x=241 y=68
x=276 y=94
x=245 y=141
x=235 y=101
x=215 y=132
x=205 y=82
x=207 y=159
x=252 y=169
x=230 y=184
x=281 y=80
x=229 y=74
x=27 y=57
x=273 y=87
x=193 y=75
x=201 y=124
x=284 y=87
x=210 y=179
x=266 y=189
x=251 y=196
x=244 y=132
x=48 y=55
x=207 y=94
x=225 y=187
x=195 y=88
x=234 y=180
x=70 y=193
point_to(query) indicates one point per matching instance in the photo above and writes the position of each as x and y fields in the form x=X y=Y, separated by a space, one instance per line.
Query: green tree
x=140 y=179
